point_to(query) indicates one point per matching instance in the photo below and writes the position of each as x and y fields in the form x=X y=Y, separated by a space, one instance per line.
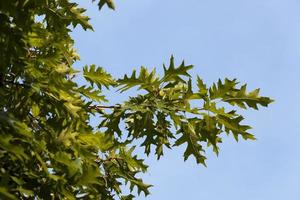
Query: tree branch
x=100 y=107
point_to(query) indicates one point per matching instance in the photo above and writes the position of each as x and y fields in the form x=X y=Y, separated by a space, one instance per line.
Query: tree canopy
x=49 y=149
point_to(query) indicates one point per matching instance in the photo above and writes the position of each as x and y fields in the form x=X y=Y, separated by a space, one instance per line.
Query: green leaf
x=133 y=162
x=141 y=186
x=73 y=166
x=96 y=140
x=6 y=143
x=201 y=87
x=4 y=193
x=127 y=197
x=251 y=99
x=233 y=125
x=98 y=76
x=94 y=95
x=222 y=90
x=25 y=192
x=228 y=92
x=79 y=18
x=109 y=3
x=145 y=80
x=189 y=94
x=35 y=110
x=175 y=73
x=189 y=136
x=91 y=175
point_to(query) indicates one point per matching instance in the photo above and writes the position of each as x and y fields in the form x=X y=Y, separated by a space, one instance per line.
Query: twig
x=100 y=107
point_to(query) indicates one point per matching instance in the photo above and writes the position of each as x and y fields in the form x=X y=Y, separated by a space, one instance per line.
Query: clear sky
x=256 y=41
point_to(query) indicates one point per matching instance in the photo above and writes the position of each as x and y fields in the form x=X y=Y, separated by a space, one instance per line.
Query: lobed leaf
x=98 y=76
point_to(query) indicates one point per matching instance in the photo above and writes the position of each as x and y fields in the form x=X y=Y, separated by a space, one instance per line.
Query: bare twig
x=100 y=107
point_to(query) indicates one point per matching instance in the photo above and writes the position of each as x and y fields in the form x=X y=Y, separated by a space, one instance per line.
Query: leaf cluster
x=49 y=149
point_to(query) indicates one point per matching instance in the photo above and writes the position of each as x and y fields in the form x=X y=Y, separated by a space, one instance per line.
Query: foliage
x=48 y=149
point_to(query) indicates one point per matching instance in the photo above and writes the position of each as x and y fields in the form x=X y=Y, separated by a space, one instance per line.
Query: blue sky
x=257 y=42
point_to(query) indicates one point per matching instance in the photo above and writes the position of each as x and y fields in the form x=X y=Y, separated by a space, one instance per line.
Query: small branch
x=39 y=123
x=100 y=107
